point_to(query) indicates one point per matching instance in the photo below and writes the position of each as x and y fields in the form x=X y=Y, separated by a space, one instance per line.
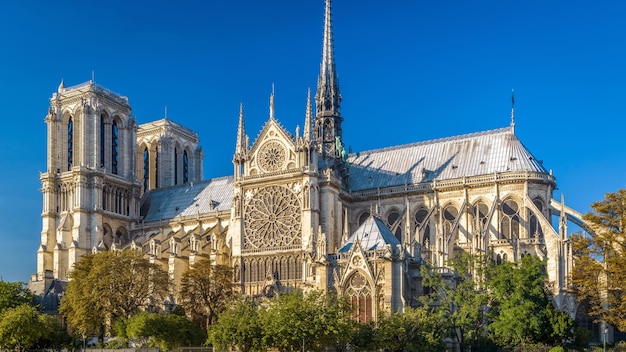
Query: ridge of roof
x=433 y=141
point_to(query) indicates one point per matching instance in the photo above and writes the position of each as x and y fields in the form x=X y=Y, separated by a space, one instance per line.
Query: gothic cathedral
x=299 y=210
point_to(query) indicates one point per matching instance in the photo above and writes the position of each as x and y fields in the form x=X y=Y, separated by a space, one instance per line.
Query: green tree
x=522 y=312
x=296 y=321
x=599 y=275
x=110 y=285
x=462 y=301
x=205 y=291
x=13 y=294
x=160 y=330
x=415 y=329
x=23 y=327
x=238 y=327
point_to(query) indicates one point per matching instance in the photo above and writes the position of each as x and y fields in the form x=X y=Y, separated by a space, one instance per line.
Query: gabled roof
x=472 y=154
x=188 y=199
x=372 y=234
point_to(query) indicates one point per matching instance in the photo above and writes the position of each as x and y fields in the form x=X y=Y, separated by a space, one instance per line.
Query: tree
x=297 y=321
x=13 y=294
x=23 y=327
x=522 y=311
x=238 y=327
x=167 y=332
x=599 y=273
x=110 y=285
x=205 y=290
x=415 y=329
x=462 y=302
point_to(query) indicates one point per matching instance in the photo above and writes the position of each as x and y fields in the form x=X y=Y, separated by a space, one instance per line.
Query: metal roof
x=188 y=199
x=472 y=154
x=372 y=234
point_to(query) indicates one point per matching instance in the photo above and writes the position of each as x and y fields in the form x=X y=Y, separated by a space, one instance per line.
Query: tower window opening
x=70 y=144
x=156 y=169
x=175 y=166
x=146 y=169
x=114 y=147
x=185 y=167
x=102 y=143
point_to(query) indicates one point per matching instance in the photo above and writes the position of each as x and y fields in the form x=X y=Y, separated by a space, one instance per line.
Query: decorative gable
x=273 y=151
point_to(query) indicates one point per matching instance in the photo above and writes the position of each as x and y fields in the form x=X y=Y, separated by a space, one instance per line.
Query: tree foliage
x=205 y=290
x=13 y=294
x=522 y=311
x=238 y=327
x=110 y=285
x=167 y=332
x=599 y=274
x=23 y=327
x=415 y=329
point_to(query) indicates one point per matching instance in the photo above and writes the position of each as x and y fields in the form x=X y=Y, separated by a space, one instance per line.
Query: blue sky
x=408 y=71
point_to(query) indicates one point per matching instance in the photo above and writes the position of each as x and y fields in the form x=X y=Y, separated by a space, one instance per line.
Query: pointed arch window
x=359 y=295
x=420 y=217
x=156 y=169
x=146 y=169
x=450 y=214
x=535 y=227
x=70 y=143
x=185 y=167
x=509 y=224
x=102 y=140
x=363 y=217
x=114 y=147
x=480 y=212
x=175 y=166
x=392 y=218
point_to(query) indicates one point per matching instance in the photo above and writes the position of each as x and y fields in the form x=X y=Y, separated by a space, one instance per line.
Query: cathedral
x=299 y=210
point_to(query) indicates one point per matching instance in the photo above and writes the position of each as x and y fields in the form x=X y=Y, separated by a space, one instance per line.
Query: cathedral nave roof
x=474 y=154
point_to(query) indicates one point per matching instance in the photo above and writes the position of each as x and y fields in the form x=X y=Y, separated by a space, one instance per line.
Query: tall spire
x=308 y=122
x=327 y=97
x=242 y=140
x=513 y=110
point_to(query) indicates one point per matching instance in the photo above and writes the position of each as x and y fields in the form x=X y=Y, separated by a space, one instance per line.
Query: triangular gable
x=373 y=234
x=273 y=150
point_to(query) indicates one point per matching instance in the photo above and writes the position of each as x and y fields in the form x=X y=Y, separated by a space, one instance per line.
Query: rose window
x=273 y=219
x=272 y=156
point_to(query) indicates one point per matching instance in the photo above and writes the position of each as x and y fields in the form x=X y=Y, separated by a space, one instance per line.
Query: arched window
x=420 y=216
x=114 y=147
x=481 y=212
x=70 y=144
x=535 y=227
x=359 y=295
x=391 y=220
x=102 y=142
x=156 y=169
x=363 y=217
x=146 y=169
x=510 y=219
x=185 y=167
x=449 y=216
x=175 y=166
x=499 y=259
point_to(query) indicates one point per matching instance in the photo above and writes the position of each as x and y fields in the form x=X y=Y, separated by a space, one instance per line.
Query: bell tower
x=90 y=191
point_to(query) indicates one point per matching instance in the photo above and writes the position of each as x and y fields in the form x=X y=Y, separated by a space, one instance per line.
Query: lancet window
x=510 y=223
x=449 y=216
x=146 y=169
x=102 y=141
x=420 y=216
x=359 y=295
x=114 y=147
x=185 y=167
x=480 y=214
x=535 y=227
x=391 y=220
x=70 y=143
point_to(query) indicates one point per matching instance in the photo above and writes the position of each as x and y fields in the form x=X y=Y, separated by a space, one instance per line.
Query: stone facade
x=298 y=211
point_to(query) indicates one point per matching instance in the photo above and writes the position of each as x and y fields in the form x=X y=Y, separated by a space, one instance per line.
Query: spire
x=327 y=97
x=272 y=103
x=513 y=110
x=308 y=122
x=61 y=85
x=241 y=146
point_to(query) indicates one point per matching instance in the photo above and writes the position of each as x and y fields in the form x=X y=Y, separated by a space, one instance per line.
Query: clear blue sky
x=408 y=71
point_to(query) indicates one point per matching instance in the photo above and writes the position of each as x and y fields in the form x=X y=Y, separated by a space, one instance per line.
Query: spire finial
x=308 y=118
x=61 y=85
x=272 y=103
x=241 y=146
x=513 y=110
